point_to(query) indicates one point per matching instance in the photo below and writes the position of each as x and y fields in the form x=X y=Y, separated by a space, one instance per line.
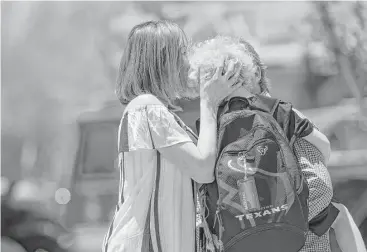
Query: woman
x=157 y=158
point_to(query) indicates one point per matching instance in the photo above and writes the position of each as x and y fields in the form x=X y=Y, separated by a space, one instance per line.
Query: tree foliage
x=342 y=28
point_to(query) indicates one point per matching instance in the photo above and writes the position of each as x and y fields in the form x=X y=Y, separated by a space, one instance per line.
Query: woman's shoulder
x=135 y=121
x=140 y=103
x=145 y=103
x=149 y=104
x=144 y=100
x=148 y=124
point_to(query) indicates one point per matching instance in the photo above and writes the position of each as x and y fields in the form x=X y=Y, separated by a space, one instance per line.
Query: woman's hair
x=153 y=63
x=210 y=54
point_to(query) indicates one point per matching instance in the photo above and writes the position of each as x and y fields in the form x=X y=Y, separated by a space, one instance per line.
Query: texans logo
x=262 y=150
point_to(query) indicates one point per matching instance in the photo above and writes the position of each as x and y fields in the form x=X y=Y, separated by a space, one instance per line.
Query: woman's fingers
x=235 y=77
x=233 y=83
x=221 y=85
x=234 y=86
x=230 y=71
x=219 y=71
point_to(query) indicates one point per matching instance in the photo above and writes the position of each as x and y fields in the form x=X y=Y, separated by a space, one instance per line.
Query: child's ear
x=258 y=74
x=256 y=87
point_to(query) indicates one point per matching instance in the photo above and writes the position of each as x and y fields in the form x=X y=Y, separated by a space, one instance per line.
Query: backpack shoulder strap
x=264 y=103
x=281 y=111
x=257 y=102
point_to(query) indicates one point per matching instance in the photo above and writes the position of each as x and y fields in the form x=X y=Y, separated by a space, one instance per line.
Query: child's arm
x=313 y=151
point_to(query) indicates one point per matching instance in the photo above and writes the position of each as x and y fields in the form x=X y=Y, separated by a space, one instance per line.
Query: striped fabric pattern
x=155 y=212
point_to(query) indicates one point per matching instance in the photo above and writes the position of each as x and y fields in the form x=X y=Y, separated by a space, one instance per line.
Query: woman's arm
x=199 y=161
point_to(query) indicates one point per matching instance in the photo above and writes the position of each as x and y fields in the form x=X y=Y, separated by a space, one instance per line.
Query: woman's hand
x=199 y=161
x=220 y=85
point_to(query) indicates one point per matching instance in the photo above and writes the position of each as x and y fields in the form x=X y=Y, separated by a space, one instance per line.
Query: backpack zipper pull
x=218 y=244
x=216 y=218
x=221 y=228
x=218 y=241
x=209 y=246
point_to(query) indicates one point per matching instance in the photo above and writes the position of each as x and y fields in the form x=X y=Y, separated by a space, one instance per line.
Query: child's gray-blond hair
x=264 y=81
x=210 y=54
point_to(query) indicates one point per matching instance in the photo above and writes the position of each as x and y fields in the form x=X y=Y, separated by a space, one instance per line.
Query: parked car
x=25 y=225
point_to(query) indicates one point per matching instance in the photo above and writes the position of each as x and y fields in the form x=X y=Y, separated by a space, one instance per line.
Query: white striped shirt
x=157 y=213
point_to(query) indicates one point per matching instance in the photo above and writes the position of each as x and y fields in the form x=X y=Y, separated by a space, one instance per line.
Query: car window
x=99 y=152
x=95 y=192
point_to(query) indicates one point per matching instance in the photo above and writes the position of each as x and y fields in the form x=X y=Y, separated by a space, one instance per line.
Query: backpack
x=258 y=201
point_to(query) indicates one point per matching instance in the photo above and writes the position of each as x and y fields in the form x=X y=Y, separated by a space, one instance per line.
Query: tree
x=346 y=38
x=343 y=32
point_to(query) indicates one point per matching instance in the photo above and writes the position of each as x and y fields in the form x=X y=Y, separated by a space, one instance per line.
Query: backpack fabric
x=258 y=201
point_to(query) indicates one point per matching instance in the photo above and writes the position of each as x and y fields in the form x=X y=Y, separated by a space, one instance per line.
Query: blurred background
x=59 y=114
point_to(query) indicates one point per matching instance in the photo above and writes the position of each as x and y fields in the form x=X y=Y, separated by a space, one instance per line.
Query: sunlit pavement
x=88 y=239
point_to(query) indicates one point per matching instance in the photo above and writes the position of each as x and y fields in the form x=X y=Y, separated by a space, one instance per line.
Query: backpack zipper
x=224 y=151
x=272 y=133
x=243 y=235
